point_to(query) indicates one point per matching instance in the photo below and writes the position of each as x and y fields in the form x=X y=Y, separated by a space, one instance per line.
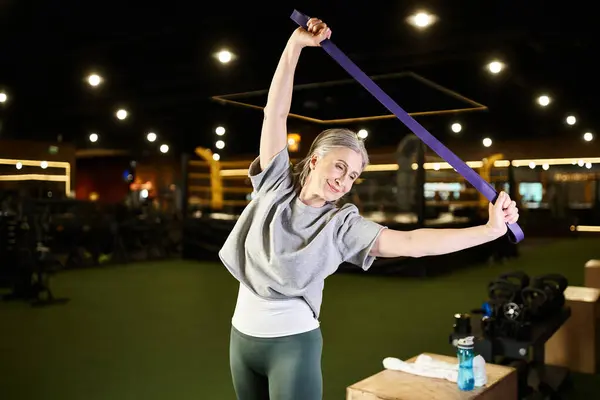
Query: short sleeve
x=277 y=174
x=356 y=237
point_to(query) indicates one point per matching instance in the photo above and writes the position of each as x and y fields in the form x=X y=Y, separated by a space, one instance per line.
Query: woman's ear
x=313 y=161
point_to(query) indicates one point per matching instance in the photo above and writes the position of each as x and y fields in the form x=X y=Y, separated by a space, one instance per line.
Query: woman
x=292 y=236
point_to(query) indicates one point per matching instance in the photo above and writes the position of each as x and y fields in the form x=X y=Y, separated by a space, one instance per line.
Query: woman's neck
x=310 y=198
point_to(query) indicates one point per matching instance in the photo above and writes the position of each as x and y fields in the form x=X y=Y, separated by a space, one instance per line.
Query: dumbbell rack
x=529 y=355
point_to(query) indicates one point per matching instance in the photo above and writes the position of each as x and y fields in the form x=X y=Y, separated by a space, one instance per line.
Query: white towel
x=426 y=366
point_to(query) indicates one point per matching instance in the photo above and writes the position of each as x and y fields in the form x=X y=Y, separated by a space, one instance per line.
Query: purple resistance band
x=483 y=187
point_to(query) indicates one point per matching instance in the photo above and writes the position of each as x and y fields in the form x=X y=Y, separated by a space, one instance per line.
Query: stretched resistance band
x=483 y=187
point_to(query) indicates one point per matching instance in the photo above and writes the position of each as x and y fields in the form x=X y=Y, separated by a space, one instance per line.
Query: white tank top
x=255 y=316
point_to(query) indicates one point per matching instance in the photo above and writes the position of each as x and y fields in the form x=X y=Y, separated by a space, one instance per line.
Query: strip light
x=444 y=165
x=585 y=228
x=34 y=177
x=66 y=178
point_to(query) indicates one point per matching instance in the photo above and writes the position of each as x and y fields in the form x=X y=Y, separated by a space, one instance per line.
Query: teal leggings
x=281 y=368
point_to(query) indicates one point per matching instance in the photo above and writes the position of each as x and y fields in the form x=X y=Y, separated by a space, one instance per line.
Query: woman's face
x=333 y=175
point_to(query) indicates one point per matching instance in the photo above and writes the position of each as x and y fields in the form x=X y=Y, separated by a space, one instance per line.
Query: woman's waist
x=257 y=316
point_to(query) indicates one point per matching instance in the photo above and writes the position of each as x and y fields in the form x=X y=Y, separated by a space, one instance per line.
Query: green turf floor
x=161 y=330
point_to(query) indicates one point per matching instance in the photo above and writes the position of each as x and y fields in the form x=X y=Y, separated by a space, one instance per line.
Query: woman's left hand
x=502 y=212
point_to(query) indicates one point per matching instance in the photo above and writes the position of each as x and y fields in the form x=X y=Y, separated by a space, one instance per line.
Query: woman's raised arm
x=273 y=136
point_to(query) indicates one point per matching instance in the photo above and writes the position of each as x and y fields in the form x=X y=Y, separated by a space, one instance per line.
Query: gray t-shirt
x=281 y=248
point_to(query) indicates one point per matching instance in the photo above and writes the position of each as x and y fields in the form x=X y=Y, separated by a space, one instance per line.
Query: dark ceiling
x=157 y=61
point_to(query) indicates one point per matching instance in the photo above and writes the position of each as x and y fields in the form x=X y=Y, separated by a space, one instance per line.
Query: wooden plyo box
x=398 y=385
x=592 y=274
x=575 y=345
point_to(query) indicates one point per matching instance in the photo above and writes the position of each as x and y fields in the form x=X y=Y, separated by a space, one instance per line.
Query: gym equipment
x=545 y=295
x=520 y=315
x=25 y=263
x=516 y=301
x=8 y=239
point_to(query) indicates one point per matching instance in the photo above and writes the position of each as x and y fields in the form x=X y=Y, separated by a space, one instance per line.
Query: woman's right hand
x=316 y=32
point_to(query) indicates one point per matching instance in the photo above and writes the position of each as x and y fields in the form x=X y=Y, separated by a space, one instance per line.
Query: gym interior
x=110 y=282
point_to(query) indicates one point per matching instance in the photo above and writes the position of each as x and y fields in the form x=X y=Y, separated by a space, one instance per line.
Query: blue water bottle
x=465 y=353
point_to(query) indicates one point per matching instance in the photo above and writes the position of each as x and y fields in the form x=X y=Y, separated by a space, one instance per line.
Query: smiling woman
x=293 y=235
x=335 y=160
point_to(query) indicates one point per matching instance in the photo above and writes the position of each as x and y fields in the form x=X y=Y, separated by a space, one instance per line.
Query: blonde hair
x=323 y=144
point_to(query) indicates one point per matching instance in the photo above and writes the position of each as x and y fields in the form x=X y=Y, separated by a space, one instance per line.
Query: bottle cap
x=462 y=324
x=467 y=342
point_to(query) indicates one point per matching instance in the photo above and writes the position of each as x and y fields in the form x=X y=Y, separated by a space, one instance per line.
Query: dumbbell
x=520 y=279
x=554 y=285
x=545 y=295
x=507 y=289
x=504 y=310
